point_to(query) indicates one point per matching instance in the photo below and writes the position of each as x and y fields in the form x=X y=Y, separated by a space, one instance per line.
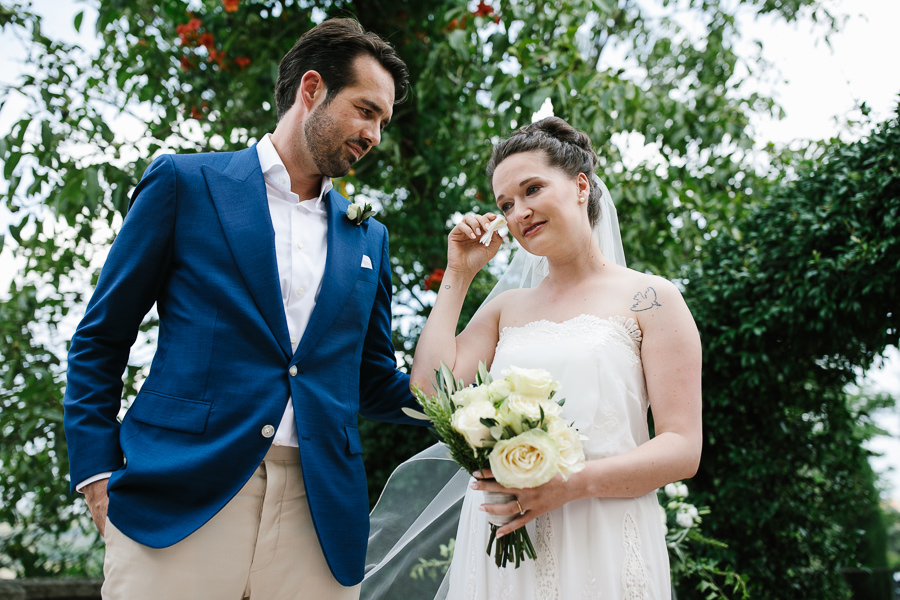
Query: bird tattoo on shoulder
x=645 y=300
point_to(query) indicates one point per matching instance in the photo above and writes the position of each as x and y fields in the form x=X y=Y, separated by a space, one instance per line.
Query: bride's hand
x=533 y=501
x=465 y=252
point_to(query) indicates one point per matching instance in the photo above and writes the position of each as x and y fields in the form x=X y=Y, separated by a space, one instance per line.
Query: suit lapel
x=239 y=194
x=344 y=258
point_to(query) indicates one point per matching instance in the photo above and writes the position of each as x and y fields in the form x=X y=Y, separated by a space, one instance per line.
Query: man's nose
x=372 y=134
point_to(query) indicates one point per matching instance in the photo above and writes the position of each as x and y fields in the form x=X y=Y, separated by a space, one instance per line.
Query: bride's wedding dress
x=595 y=548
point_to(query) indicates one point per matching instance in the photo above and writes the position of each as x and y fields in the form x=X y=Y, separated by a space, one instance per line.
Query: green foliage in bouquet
x=439 y=409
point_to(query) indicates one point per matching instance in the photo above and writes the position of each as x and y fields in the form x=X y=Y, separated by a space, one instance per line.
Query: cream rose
x=528 y=460
x=519 y=405
x=499 y=390
x=470 y=395
x=530 y=406
x=571 y=452
x=467 y=421
x=531 y=382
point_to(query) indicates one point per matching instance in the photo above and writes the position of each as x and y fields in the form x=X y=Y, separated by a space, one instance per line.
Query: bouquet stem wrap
x=514 y=547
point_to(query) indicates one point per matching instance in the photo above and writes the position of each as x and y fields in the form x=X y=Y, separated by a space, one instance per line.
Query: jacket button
x=268 y=431
x=293 y=370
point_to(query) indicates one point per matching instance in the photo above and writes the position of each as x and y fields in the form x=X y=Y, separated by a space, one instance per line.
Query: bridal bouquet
x=511 y=425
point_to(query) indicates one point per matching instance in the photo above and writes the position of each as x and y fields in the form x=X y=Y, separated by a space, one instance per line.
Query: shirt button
x=300 y=291
x=299 y=246
x=293 y=370
x=267 y=431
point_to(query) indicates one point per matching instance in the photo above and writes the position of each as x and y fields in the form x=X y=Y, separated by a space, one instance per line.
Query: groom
x=237 y=471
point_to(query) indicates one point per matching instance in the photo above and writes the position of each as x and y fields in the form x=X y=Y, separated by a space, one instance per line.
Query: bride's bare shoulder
x=506 y=304
x=511 y=297
x=645 y=291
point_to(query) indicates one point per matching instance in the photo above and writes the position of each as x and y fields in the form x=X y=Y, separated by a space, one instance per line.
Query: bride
x=621 y=343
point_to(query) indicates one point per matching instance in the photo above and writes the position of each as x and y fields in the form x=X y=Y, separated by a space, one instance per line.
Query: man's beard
x=325 y=145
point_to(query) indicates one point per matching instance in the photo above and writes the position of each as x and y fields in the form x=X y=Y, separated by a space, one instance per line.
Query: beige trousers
x=261 y=545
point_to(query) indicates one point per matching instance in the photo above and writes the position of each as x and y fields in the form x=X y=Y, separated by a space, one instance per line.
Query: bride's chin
x=534 y=249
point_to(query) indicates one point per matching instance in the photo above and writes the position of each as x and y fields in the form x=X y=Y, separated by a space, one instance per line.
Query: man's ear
x=311 y=89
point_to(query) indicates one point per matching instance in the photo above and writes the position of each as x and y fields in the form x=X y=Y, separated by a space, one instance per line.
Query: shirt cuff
x=91 y=480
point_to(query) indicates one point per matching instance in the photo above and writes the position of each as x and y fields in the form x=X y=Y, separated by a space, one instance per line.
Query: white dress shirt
x=301 y=229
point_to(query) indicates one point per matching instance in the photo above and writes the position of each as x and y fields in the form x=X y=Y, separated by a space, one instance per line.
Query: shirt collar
x=276 y=174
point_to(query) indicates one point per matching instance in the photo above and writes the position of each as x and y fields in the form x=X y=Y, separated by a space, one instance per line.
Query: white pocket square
x=366 y=262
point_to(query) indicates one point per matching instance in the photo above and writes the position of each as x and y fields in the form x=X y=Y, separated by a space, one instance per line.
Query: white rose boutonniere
x=359 y=211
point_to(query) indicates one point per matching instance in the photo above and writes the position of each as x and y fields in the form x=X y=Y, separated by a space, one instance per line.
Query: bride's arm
x=672 y=360
x=438 y=341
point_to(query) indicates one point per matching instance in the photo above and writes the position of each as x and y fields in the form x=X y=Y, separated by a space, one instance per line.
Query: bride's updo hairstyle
x=565 y=147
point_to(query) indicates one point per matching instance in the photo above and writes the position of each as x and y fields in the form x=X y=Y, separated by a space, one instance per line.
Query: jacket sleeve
x=126 y=290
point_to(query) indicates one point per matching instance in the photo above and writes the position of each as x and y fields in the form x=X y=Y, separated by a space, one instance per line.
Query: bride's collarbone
x=600 y=297
x=560 y=312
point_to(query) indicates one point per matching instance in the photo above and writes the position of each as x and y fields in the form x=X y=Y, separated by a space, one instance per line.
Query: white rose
x=507 y=419
x=684 y=519
x=571 y=452
x=520 y=406
x=551 y=408
x=467 y=421
x=528 y=460
x=530 y=406
x=676 y=490
x=531 y=382
x=469 y=395
x=359 y=211
x=499 y=389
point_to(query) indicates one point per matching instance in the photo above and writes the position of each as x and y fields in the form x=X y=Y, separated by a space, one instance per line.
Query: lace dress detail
x=597 y=548
x=634 y=575
x=546 y=569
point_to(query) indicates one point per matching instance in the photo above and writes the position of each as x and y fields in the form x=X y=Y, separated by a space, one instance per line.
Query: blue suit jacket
x=198 y=242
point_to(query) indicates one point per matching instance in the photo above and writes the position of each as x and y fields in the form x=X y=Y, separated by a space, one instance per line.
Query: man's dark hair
x=330 y=49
